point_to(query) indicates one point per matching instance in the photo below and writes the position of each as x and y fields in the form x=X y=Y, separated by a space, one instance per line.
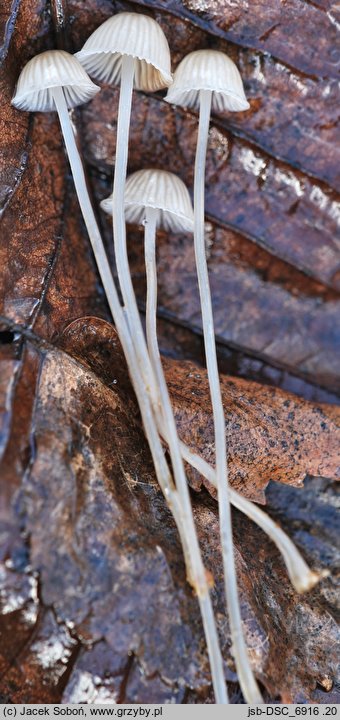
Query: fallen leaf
x=242 y=183
x=260 y=304
x=95 y=605
x=271 y=435
x=292 y=36
x=94 y=595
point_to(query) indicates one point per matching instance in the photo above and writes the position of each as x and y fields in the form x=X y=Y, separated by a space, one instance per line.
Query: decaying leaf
x=93 y=577
x=94 y=600
x=272 y=435
x=236 y=176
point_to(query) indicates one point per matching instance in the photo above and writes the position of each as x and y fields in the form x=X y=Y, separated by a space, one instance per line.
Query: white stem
x=120 y=321
x=151 y=288
x=119 y=229
x=195 y=563
x=196 y=570
x=161 y=468
x=118 y=314
x=246 y=677
x=301 y=576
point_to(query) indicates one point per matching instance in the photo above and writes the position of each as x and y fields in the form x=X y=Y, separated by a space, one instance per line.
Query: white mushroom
x=154 y=198
x=205 y=79
x=49 y=75
x=129 y=48
x=161 y=190
x=213 y=72
x=55 y=80
x=123 y=36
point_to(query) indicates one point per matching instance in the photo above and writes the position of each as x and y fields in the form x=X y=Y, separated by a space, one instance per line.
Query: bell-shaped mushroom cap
x=54 y=68
x=128 y=34
x=208 y=70
x=162 y=191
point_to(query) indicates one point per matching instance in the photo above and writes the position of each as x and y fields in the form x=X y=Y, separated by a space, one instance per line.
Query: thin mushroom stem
x=199 y=579
x=162 y=471
x=119 y=229
x=163 y=475
x=161 y=468
x=300 y=575
x=246 y=677
x=151 y=288
x=196 y=570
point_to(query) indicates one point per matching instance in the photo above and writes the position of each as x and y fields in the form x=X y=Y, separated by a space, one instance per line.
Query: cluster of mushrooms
x=131 y=49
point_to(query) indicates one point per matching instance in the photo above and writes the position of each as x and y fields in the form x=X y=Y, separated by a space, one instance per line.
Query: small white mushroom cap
x=128 y=34
x=162 y=191
x=53 y=68
x=208 y=70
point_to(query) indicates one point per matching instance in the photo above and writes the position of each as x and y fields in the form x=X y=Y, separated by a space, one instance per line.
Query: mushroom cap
x=128 y=34
x=53 y=68
x=208 y=70
x=162 y=191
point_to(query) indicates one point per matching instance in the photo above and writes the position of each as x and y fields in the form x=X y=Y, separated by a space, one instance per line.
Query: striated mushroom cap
x=53 y=68
x=208 y=70
x=128 y=34
x=162 y=191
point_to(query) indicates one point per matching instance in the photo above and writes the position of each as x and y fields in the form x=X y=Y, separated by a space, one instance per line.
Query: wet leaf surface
x=242 y=183
x=94 y=600
x=98 y=561
x=290 y=33
x=260 y=304
x=271 y=435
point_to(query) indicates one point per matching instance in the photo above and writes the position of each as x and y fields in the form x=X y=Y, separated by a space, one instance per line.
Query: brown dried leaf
x=242 y=184
x=93 y=578
x=95 y=603
x=261 y=305
x=302 y=36
x=272 y=435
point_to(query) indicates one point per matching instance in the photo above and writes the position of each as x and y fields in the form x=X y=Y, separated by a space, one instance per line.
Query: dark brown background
x=95 y=604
